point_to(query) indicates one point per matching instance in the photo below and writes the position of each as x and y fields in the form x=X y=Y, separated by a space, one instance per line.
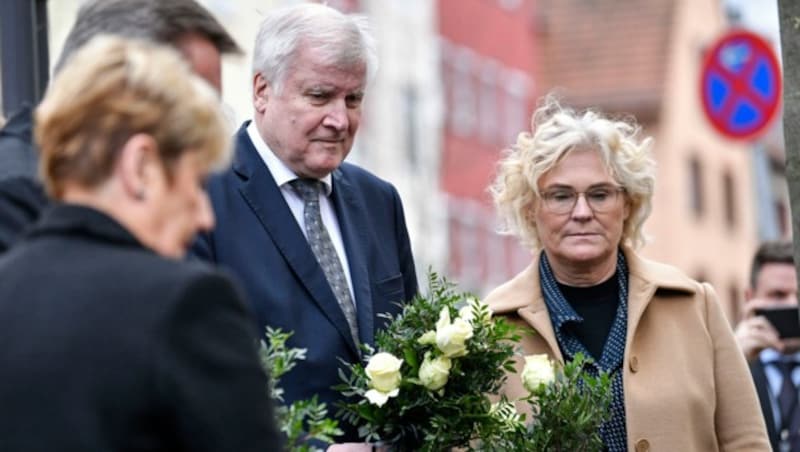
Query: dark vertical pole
x=789 y=12
x=23 y=42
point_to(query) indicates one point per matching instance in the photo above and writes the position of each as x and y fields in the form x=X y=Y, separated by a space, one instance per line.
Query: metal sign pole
x=23 y=42
x=789 y=12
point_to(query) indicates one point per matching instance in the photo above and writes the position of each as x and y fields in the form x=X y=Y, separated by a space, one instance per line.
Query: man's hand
x=754 y=334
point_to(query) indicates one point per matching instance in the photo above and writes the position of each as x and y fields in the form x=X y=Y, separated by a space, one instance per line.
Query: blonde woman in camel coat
x=577 y=191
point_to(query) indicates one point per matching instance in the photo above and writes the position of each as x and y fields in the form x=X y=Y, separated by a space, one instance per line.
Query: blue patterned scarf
x=561 y=312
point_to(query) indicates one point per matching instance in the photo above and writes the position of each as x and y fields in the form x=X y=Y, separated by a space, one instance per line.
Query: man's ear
x=138 y=165
x=261 y=92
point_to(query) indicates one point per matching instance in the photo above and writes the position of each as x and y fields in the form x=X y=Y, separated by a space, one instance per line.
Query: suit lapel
x=761 y=384
x=350 y=213
x=264 y=197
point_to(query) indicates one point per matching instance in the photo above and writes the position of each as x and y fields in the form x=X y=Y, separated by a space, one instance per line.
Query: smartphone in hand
x=786 y=320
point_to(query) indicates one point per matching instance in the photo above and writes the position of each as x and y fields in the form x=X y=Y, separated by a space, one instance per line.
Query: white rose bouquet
x=427 y=385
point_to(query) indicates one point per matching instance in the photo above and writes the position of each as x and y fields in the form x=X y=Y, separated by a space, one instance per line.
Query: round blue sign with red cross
x=741 y=84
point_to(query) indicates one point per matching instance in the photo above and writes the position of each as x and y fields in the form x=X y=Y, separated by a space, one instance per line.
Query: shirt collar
x=770 y=355
x=280 y=172
x=560 y=310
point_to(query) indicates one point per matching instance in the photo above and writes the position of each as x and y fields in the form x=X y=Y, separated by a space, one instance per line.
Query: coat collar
x=523 y=293
x=524 y=290
x=75 y=219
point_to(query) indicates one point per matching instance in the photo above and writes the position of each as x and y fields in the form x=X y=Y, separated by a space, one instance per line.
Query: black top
x=109 y=347
x=597 y=305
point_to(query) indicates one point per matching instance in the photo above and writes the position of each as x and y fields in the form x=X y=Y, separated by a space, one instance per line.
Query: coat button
x=642 y=445
x=634 y=365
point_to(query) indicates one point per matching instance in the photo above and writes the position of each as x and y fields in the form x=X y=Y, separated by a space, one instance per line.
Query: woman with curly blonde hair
x=577 y=190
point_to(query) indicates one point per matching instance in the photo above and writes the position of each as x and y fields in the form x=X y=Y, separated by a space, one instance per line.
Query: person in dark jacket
x=773 y=359
x=110 y=341
x=320 y=245
x=182 y=24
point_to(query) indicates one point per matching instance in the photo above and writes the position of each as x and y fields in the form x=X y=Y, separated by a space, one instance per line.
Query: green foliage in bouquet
x=426 y=385
x=302 y=420
x=569 y=405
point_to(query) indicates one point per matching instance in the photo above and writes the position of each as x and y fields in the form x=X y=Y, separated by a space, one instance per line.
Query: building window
x=448 y=80
x=489 y=94
x=510 y=5
x=729 y=193
x=463 y=113
x=516 y=118
x=410 y=105
x=696 y=193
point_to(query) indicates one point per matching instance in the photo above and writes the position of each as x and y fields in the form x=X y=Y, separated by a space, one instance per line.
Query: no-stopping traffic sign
x=740 y=85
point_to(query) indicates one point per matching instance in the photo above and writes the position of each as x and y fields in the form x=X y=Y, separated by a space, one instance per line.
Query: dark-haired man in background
x=182 y=24
x=774 y=361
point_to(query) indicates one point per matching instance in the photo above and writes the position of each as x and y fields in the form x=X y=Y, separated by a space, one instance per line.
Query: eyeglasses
x=600 y=199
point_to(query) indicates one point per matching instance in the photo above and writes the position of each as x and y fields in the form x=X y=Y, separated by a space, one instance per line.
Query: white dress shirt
x=775 y=379
x=283 y=175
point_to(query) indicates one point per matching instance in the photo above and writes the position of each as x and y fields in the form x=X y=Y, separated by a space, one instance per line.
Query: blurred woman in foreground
x=110 y=342
x=577 y=191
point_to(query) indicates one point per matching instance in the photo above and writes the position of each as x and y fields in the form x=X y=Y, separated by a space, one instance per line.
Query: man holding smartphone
x=773 y=347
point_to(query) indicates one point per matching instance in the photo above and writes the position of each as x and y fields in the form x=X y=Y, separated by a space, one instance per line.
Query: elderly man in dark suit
x=110 y=342
x=182 y=24
x=320 y=245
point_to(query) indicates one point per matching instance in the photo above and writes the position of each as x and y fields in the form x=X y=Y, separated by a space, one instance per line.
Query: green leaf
x=303 y=420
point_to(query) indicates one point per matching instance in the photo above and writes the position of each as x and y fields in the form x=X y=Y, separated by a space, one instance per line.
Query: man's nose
x=336 y=118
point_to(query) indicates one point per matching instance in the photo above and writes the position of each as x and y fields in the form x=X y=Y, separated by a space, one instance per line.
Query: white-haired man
x=320 y=245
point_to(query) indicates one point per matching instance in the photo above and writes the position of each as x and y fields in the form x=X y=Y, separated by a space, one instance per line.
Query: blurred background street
x=458 y=80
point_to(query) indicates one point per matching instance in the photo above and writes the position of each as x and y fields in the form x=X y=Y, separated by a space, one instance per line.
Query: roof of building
x=606 y=53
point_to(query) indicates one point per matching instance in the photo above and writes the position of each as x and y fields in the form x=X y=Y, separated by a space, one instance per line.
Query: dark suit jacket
x=109 y=347
x=22 y=196
x=258 y=239
x=22 y=200
x=18 y=156
x=760 y=380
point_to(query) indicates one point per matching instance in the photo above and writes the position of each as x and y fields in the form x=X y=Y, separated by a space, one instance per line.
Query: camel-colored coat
x=686 y=384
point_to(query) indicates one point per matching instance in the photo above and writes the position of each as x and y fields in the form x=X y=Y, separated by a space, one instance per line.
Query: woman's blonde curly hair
x=557 y=130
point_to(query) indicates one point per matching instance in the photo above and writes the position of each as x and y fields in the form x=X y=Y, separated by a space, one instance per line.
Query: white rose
x=428 y=338
x=433 y=373
x=451 y=337
x=376 y=397
x=467 y=312
x=538 y=369
x=383 y=370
